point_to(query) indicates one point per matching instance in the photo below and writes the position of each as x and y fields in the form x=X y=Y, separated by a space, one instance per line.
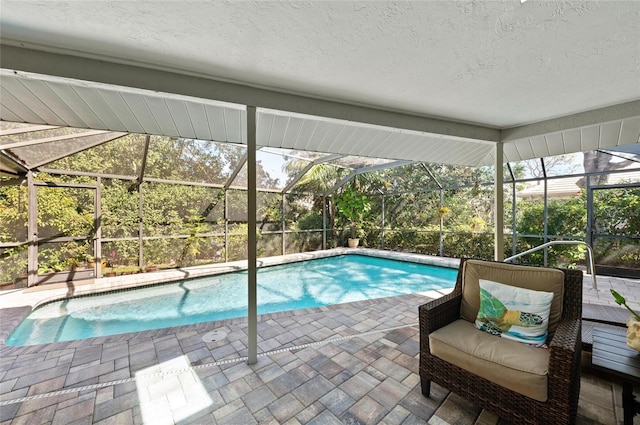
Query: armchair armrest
x=432 y=316
x=439 y=312
x=564 y=360
x=567 y=336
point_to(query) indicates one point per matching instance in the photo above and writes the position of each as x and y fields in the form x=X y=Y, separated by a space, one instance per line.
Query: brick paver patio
x=353 y=363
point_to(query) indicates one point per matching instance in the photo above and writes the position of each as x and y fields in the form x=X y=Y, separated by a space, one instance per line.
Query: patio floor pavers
x=353 y=363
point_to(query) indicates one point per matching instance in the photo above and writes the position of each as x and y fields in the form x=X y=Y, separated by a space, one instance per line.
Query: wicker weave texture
x=564 y=362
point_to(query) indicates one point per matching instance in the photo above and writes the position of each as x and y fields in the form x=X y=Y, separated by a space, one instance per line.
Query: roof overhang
x=57 y=89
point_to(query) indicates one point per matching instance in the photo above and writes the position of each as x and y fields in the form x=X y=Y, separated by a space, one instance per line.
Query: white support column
x=97 y=246
x=383 y=224
x=283 y=225
x=32 y=226
x=140 y=227
x=498 y=207
x=545 y=219
x=226 y=225
x=440 y=234
x=143 y=168
x=252 y=346
x=324 y=222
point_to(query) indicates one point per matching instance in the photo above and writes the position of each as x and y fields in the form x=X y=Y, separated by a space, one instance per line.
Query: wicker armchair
x=561 y=376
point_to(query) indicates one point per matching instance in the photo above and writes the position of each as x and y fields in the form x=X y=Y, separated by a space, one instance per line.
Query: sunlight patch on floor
x=170 y=392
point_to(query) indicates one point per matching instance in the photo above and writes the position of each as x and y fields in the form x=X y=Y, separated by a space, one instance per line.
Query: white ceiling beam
x=109 y=137
x=308 y=167
x=236 y=171
x=583 y=119
x=10 y=164
x=385 y=166
x=341 y=183
x=68 y=65
x=31 y=128
x=363 y=170
x=24 y=143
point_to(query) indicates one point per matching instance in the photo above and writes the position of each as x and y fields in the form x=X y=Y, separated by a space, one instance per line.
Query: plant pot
x=633 y=333
x=354 y=242
x=152 y=268
x=109 y=274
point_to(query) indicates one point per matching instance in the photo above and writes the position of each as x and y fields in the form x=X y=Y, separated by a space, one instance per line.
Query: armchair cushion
x=514 y=313
x=535 y=278
x=496 y=359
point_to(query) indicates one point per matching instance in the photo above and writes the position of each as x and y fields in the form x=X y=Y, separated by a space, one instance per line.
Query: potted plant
x=111 y=264
x=352 y=206
x=110 y=270
x=633 y=324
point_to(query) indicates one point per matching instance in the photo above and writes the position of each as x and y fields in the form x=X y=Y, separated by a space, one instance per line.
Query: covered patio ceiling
x=415 y=81
x=465 y=82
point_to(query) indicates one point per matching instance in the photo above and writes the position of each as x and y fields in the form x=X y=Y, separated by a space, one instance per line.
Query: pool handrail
x=589 y=255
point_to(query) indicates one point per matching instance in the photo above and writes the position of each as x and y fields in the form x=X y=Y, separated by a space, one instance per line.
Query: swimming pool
x=313 y=283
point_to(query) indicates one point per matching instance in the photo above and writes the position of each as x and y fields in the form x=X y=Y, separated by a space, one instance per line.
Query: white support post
x=32 y=226
x=514 y=199
x=140 y=227
x=324 y=222
x=499 y=204
x=383 y=224
x=283 y=225
x=252 y=346
x=545 y=220
x=226 y=225
x=143 y=168
x=440 y=234
x=97 y=246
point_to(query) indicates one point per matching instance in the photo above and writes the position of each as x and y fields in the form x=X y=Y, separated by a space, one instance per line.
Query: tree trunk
x=595 y=161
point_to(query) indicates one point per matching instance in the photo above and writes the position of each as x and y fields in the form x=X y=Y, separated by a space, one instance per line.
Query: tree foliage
x=566 y=219
x=617 y=226
x=184 y=224
x=353 y=206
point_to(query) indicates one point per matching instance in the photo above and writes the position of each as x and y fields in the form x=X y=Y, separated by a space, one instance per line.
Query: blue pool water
x=313 y=283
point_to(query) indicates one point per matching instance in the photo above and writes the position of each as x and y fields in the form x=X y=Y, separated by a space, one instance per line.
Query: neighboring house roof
x=559 y=188
x=556 y=188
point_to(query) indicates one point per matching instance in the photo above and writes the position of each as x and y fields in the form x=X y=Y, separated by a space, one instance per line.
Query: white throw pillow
x=515 y=313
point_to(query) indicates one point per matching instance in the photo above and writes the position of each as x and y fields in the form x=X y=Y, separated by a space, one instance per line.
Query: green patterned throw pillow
x=515 y=313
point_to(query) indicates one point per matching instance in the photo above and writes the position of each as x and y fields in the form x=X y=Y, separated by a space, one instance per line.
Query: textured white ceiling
x=499 y=64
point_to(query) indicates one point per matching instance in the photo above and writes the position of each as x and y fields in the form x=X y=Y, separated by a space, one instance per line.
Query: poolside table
x=612 y=356
x=601 y=316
